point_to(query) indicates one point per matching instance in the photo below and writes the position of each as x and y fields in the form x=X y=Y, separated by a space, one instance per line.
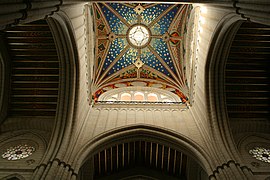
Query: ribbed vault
x=157 y=63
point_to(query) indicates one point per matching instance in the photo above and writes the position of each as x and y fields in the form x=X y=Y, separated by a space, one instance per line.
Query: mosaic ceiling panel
x=139 y=44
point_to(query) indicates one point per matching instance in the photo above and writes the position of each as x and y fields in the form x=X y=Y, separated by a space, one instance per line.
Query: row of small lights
x=88 y=77
x=199 y=28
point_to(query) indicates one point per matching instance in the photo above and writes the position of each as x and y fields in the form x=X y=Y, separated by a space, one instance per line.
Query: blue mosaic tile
x=116 y=25
x=161 y=27
x=151 y=13
x=115 y=48
x=162 y=49
x=151 y=60
x=127 y=59
x=126 y=12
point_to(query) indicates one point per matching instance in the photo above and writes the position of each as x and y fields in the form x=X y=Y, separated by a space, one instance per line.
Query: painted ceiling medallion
x=261 y=154
x=138 y=36
x=139 y=9
x=138 y=63
x=18 y=152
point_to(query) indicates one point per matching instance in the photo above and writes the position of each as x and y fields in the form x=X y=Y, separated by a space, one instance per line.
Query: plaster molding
x=141 y=107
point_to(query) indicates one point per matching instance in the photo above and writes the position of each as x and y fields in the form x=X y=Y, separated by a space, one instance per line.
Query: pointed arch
x=143 y=132
x=63 y=35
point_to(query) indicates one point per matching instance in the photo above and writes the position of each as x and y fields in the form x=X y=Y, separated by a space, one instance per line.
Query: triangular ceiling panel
x=152 y=12
x=162 y=25
x=125 y=11
x=163 y=52
x=126 y=60
x=117 y=46
x=152 y=61
x=117 y=26
x=102 y=28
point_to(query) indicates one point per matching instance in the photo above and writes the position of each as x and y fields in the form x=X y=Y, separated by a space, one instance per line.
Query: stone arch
x=155 y=134
x=215 y=94
x=214 y=81
x=219 y=57
x=215 y=84
x=64 y=38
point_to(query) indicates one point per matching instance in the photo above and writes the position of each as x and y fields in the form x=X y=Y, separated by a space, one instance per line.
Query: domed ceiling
x=140 y=45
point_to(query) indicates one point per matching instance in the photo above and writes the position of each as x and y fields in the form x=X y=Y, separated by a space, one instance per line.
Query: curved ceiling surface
x=140 y=45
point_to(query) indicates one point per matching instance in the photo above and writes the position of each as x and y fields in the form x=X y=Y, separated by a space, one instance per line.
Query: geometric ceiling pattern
x=140 y=45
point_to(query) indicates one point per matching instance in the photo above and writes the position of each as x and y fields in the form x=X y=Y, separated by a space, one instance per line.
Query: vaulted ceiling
x=157 y=58
x=247 y=79
x=34 y=70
